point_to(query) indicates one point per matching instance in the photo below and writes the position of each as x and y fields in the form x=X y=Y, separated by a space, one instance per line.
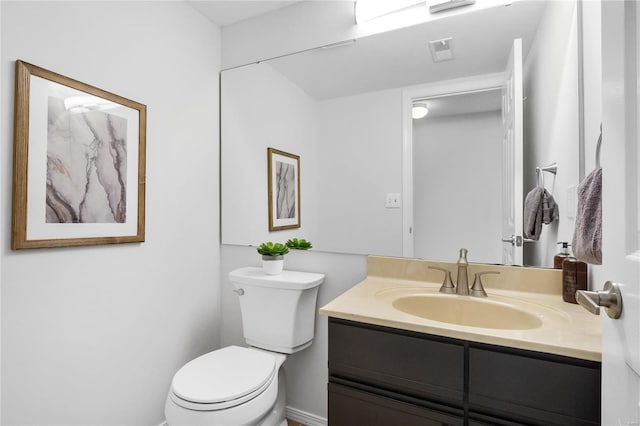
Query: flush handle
x=239 y=291
x=610 y=298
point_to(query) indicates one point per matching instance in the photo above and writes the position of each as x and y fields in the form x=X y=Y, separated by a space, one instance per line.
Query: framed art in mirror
x=78 y=163
x=283 y=176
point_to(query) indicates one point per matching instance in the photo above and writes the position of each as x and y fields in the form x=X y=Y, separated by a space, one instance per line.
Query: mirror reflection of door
x=467 y=171
x=457 y=149
x=512 y=158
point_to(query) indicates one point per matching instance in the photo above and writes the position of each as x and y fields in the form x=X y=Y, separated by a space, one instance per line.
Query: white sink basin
x=467 y=311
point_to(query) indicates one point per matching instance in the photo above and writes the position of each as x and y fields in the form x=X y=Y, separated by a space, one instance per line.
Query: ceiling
x=228 y=12
x=481 y=43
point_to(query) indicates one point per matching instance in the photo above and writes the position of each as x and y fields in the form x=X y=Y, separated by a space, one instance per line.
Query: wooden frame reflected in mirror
x=283 y=176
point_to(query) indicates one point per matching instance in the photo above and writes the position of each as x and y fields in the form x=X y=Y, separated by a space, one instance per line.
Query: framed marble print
x=78 y=163
x=283 y=175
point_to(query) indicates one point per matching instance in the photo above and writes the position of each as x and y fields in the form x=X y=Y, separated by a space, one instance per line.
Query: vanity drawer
x=536 y=388
x=349 y=407
x=410 y=363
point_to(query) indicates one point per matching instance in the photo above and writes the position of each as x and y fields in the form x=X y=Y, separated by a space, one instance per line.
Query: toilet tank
x=278 y=311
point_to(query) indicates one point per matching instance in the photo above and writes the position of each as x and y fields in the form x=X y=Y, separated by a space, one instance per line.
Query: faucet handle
x=477 y=289
x=447 y=284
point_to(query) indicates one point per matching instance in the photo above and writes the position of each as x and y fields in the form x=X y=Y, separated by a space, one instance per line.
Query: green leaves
x=273 y=249
x=278 y=249
x=299 y=244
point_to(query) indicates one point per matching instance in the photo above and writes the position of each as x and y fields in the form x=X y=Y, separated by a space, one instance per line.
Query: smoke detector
x=441 y=49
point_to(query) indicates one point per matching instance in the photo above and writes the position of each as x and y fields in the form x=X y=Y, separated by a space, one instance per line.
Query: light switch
x=393 y=200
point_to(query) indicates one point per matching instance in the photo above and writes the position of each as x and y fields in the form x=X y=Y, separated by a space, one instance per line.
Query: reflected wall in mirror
x=457 y=175
x=341 y=109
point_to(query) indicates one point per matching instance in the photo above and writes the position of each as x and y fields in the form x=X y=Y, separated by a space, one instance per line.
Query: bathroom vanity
x=381 y=375
x=387 y=366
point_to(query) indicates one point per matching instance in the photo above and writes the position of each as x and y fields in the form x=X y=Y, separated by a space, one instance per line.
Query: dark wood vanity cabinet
x=386 y=376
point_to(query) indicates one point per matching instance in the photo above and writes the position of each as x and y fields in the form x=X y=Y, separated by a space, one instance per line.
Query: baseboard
x=305 y=418
x=299 y=416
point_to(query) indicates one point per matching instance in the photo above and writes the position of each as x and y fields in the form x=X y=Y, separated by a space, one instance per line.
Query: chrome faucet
x=462 y=281
x=447 y=285
x=462 y=284
x=477 y=290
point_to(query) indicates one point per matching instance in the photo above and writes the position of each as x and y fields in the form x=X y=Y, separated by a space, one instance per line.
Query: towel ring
x=539 y=178
x=551 y=168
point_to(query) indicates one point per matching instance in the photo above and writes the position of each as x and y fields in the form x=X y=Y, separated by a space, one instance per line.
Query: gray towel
x=539 y=208
x=550 y=211
x=587 y=238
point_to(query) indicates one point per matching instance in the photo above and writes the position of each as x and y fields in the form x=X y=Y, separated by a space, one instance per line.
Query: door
x=620 y=209
x=512 y=147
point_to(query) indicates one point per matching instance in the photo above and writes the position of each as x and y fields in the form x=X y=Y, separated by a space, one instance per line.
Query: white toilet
x=245 y=386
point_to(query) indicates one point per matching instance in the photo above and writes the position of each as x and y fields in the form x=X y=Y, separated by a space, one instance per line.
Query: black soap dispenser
x=560 y=257
x=574 y=278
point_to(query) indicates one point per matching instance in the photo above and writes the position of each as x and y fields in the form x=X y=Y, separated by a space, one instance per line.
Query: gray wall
x=457 y=168
x=93 y=335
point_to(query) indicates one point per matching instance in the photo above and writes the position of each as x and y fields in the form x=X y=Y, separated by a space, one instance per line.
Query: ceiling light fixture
x=442 y=5
x=366 y=10
x=419 y=111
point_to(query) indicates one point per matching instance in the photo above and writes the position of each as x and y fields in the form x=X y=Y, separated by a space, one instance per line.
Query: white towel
x=587 y=238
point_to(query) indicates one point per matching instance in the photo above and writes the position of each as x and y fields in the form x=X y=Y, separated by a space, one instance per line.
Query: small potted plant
x=299 y=244
x=272 y=257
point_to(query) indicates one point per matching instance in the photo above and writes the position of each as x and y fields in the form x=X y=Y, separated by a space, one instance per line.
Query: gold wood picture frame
x=78 y=163
x=283 y=176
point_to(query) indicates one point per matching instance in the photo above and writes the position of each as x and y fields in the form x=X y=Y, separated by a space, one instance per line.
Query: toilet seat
x=223 y=378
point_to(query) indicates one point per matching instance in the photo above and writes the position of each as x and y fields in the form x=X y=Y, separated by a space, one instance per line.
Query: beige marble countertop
x=566 y=329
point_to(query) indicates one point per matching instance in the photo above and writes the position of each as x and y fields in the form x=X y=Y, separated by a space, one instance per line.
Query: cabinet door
x=351 y=407
x=405 y=362
x=534 y=388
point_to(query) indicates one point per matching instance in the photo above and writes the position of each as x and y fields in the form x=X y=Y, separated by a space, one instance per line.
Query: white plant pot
x=272 y=265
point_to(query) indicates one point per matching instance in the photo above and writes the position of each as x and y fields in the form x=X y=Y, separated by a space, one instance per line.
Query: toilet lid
x=224 y=375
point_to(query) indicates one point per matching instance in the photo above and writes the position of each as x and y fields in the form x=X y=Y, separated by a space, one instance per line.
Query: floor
x=294 y=423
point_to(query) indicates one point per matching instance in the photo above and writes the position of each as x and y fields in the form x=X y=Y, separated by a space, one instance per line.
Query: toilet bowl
x=235 y=385
x=230 y=386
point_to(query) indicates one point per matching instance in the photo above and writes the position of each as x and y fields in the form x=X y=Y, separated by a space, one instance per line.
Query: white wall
x=592 y=68
x=93 y=335
x=551 y=122
x=281 y=116
x=2 y=214
x=457 y=171
x=314 y=23
x=592 y=57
